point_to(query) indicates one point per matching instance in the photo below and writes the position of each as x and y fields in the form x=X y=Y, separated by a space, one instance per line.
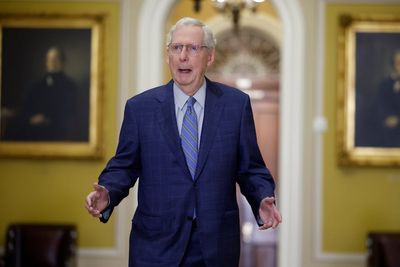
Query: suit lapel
x=212 y=114
x=168 y=124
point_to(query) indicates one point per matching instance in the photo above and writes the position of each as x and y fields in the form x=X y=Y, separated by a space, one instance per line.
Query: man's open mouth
x=185 y=70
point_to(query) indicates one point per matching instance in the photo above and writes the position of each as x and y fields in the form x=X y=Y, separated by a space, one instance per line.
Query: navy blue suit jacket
x=149 y=151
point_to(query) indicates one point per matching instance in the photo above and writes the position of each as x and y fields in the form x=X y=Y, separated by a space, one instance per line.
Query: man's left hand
x=269 y=213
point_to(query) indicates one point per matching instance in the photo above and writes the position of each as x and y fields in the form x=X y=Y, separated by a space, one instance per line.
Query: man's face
x=53 y=61
x=188 y=68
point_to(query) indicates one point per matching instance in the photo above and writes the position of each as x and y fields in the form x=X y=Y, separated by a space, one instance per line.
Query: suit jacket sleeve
x=123 y=169
x=255 y=180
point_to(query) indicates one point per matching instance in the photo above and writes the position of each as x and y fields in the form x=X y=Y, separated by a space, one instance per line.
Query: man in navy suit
x=187 y=143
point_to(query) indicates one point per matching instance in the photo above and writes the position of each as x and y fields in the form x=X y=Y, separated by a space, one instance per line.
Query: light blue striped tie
x=189 y=136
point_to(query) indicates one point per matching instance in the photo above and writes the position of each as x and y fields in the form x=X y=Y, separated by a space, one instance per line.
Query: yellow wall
x=356 y=199
x=39 y=190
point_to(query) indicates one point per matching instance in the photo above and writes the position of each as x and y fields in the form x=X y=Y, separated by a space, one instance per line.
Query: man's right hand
x=97 y=200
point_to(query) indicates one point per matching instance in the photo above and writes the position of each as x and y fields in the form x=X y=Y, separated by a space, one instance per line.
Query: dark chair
x=40 y=245
x=383 y=249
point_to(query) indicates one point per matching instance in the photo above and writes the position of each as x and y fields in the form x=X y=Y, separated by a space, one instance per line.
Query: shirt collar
x=180 y=97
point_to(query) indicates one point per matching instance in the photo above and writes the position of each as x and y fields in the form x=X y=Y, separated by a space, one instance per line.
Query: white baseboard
x=341 y=257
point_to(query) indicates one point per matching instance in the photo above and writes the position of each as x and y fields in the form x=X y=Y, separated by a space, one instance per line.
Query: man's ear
x=211 y=57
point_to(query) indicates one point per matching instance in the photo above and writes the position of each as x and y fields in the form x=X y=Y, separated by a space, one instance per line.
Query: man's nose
x=184 y=54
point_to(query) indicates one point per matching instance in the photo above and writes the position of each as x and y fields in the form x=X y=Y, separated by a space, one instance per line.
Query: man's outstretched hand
x=269 y=213
x=97 y=200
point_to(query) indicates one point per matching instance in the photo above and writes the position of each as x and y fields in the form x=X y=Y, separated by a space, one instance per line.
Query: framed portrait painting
x=50 y=90
x=369 y=91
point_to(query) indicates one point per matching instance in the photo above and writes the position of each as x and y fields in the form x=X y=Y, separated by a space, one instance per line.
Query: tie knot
x=190 y=102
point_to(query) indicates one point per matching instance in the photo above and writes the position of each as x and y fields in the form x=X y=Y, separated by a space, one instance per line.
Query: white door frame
x=151 y=42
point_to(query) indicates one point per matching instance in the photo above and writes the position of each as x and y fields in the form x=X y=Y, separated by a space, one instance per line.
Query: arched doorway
x=153 y=16
x=249 y=59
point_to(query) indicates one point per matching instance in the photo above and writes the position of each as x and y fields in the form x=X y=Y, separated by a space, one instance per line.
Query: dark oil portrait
x=45 y=84
x=377 y=90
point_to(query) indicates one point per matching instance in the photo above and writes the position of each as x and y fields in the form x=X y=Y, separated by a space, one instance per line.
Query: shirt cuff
x=107 y=211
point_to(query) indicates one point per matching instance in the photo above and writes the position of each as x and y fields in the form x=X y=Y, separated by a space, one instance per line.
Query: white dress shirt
x=180 y=99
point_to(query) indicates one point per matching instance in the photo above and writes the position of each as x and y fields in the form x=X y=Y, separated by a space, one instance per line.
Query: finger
x=277 y=216
x=278 y=219
x=88 y=201
x=267 y=225
x=90 y=208
x=266 y=214
x=262 y=227
x=94 y=212
x=91 y=198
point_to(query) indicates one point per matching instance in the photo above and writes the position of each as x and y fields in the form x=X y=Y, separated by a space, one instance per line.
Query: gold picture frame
x=51 y=85
x=368 y=117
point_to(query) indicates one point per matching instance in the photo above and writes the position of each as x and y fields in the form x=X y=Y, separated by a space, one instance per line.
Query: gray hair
x=209 y=39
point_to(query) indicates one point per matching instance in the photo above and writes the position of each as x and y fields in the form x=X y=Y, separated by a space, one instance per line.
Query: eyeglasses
x=192 y=49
